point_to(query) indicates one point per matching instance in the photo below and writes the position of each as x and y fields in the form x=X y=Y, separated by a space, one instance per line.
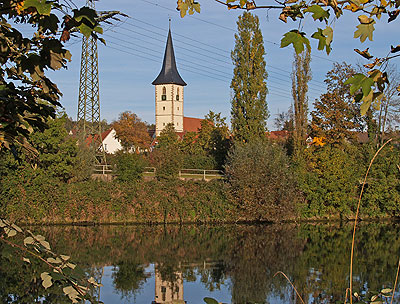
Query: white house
x=110 y=143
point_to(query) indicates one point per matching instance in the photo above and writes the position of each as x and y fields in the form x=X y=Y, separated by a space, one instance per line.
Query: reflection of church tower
x=169 y=92
x=167 y=292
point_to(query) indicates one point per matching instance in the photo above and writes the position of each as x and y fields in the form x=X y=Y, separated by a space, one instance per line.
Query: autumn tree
x=249 y=107
x=301 y=75
x=131 y=131
x=335 y=117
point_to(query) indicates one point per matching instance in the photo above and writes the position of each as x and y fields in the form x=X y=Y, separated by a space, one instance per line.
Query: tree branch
x=230 y=6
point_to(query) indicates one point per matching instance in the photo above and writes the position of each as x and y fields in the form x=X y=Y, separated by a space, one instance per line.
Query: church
x=169 y=96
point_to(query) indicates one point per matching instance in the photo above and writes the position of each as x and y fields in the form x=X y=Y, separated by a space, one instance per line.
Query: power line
x=226 y=28
x=206 y=70
x=175 y=34
x=189 y=69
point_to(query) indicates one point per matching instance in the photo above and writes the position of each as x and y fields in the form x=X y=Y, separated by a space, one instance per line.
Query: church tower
x=169 y=92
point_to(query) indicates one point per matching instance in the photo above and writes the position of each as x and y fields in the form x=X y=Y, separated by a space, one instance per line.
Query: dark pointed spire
x=169 y=73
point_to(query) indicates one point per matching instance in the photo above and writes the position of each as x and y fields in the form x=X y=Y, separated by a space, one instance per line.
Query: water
x=233 y=264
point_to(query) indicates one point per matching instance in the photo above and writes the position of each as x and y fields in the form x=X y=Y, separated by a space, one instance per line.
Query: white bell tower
x=169 y=92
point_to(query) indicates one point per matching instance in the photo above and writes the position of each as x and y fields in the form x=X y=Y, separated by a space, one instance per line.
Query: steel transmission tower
x=88 y=119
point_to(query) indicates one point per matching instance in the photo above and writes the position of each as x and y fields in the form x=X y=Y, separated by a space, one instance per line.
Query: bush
x=329 y=178
x=129 y=166
x=260 y=181
x=199 y=161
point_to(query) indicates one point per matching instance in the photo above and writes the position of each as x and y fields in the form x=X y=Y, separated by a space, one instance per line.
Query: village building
x=169 y=96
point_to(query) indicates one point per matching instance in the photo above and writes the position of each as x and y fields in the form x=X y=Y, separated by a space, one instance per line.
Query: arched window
x=177 y=94
x=164 y=94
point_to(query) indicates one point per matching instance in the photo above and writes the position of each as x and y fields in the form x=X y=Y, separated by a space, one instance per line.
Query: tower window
x=163 y=108
x=177 y=94
x=178 y=108
x=164 y=94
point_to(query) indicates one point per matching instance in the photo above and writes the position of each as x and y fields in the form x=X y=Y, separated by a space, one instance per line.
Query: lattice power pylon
x=88 y=117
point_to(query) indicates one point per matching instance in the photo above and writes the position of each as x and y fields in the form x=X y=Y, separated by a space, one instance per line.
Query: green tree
x=167 y=157
x=57 y=150
x=301 y=75
x=249 y=107
x=260 y=181
x=129 y=166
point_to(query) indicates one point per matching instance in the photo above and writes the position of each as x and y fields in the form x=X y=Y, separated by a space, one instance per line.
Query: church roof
x=169 y=73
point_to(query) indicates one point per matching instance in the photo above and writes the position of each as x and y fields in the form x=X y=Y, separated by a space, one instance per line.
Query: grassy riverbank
x=101 y=202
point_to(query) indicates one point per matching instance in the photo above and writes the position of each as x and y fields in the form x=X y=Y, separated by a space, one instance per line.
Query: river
x=231 y=263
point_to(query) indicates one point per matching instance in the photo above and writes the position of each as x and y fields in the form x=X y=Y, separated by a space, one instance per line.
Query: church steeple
x=169 y=73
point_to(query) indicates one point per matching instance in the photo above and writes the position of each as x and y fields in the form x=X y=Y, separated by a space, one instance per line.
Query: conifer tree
x=249 y=107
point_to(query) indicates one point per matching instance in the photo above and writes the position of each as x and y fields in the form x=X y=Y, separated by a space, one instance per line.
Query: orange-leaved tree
x=132 y=132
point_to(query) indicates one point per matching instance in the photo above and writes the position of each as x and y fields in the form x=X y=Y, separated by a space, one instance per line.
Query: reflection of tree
x=315 y=258
x=259 y=252
x=129 y=277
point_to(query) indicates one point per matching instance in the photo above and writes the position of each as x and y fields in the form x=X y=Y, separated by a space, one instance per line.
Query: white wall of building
x=169 y=109
x=111 y=144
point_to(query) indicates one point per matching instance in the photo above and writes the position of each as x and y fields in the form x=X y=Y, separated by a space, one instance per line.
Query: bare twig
x=280 y=272
x=395 y=282
x=356 y=219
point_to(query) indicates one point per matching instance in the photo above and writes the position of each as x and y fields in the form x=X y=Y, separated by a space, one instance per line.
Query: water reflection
x=178 y=264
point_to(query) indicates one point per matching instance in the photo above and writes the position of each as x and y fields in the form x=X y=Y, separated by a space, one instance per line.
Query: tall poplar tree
x=301 y=75
x=249 y=107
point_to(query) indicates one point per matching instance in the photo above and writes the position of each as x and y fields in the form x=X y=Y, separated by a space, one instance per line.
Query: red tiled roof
x=191 y=124
x=277 y=135
x=103 y=136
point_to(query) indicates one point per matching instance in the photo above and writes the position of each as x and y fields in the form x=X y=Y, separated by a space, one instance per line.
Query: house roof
x=104 y=134
x=191 y=124
x=278 y=135
x=169 y=73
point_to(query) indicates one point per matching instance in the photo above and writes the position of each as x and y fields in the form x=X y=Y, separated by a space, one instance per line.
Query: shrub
x=329 y=177
x=199 y=161
x=260 y=181
x=129 y=166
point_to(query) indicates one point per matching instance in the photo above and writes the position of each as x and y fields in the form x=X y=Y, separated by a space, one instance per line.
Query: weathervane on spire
x=169 y=19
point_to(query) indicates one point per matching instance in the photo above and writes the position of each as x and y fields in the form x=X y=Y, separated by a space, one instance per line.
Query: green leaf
x=41 y=6
x=210 y=301
x=321 y=41
x=365 y=30
x=242 y=3
x=356 y=82
x=98 y=29
x=366 y=104
x=85 y=30
x=318 y=12
x=85 y=13
x=297 y=39
x=328 y=33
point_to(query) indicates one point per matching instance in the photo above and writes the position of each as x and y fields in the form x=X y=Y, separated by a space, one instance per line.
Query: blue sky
x=135 y=47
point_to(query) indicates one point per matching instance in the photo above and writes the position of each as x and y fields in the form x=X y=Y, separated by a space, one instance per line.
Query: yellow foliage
x=319 y=141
